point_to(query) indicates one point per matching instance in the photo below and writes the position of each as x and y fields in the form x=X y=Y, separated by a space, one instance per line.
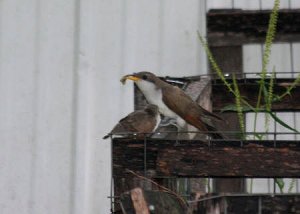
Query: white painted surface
x=264 y=185
x=215 y=4
x=164 y=39
x=246 y=4
x=295 y=4
x=280 y=60
x=250 y=5
x=260 y=185
x=252 y=59
x=60 y=65
x=297 y=124
x=296 y=57
x=16 y=115
x=268 y=4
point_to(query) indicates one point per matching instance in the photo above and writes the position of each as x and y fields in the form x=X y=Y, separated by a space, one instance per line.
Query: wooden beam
x=237 y=27
x=198 y=159
x=229 y=59
x=249 y=89
x=229 y=162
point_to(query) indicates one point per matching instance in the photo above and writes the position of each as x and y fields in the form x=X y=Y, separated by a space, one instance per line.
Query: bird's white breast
x=158 y=119
x=154 y=96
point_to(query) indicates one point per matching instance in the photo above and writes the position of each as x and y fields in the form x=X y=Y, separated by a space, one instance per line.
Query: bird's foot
x=169 y=122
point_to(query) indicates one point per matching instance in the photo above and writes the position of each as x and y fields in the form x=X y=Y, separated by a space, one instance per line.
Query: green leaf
x=233 y=107
x=276 y=98
x=266 y=93
x=292 y=185
x=280 y=184
x=281 y=122
x=258 y=136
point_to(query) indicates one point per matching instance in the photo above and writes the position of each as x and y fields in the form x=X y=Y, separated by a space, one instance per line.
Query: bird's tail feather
x=215 y=133
x=105 y=137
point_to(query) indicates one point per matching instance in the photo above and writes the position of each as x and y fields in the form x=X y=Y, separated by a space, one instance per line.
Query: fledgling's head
x=151 y=109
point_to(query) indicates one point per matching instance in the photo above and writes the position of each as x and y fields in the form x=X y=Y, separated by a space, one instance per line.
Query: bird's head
x=151 y=109
x=148 y=83
x=143 y=76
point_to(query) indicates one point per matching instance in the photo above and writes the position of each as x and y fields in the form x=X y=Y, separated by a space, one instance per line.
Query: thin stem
x=238 y=106
x=290 y=88
x=268 y=44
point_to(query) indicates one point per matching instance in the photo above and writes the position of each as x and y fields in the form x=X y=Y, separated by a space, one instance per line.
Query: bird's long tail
x=215 y=133
x=106 y=136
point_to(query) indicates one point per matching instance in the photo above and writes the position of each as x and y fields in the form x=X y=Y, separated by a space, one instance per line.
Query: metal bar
x=145 y=155
x=225 y=205
x=214 y=76
x=209 y=132
x=122 y=208
x=274 y=186
x=111 y=176
x=259 y=205
x=228 y=195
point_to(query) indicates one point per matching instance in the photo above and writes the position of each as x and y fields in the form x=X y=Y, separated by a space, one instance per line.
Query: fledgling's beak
x=130 y=77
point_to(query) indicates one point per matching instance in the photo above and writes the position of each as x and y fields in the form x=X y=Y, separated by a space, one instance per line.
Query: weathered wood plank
x=229 y=162
x=201 y=159
x=249 y=89
x=237 y=27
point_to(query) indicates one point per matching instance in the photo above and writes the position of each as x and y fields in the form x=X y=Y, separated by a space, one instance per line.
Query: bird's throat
x=153 y=95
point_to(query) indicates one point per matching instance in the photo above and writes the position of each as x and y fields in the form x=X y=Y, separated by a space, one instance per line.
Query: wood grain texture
x=237 y=27
x=249 y=89
x=202 y=159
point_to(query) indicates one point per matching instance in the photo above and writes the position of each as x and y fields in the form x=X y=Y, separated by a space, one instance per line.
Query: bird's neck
x=151 y=91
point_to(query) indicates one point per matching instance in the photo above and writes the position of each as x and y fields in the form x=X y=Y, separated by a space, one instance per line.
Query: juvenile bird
x=139 y=121
x=173 y=102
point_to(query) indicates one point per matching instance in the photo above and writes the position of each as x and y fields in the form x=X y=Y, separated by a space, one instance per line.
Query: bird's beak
x=130 y=77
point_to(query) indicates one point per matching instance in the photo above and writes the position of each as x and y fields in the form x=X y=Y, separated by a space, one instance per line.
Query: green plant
x=265 y=90
x=266 y=56
x=238 y=103
x=268 y=94
x=292 y=185
x=280 y=184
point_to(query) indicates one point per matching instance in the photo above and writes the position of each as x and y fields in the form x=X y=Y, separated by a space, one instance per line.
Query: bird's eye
x=144 y=77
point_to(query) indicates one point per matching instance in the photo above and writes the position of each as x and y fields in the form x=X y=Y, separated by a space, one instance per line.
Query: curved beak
x=130 y=77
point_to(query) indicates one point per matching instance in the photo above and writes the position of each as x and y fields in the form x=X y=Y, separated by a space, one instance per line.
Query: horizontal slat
x=203 y=159
x=249 y=89
x=237 y=27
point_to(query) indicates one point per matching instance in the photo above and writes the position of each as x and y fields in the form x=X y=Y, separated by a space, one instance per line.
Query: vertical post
x=259 y=205
x=145 y=156
x=230 y=60
x=225 y=205
x=112 y=176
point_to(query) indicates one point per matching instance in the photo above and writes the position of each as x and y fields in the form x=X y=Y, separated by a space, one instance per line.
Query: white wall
x=60 y=65
x=250 y=5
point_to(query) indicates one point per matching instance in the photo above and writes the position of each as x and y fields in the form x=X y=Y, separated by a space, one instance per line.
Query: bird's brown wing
x=184 y=106
x=189 y=110
x=138 y=121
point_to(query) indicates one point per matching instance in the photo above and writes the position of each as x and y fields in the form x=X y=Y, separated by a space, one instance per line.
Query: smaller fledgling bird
x=139 y=121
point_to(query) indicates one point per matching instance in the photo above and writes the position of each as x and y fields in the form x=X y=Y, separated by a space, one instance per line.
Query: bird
x=139 y=122
x=174 y=103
